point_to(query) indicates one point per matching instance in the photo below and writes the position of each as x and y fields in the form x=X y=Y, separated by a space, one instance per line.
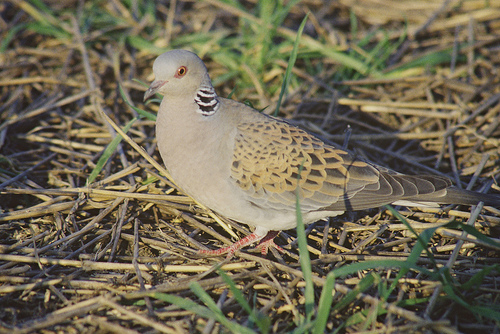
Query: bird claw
x=265 y=243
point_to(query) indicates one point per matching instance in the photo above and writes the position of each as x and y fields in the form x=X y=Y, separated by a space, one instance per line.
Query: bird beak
x=153 y=88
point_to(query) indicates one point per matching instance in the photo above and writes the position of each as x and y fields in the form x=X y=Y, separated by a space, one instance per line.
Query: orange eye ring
x=181 y=71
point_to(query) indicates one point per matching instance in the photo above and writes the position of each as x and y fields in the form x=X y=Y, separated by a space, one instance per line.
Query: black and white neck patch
x=207 y=101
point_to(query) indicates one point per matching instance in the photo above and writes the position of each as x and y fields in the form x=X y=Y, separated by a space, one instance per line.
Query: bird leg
x=265 y=243
x=268 y=242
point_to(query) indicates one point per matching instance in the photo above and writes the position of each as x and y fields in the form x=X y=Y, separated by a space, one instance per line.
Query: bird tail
x=453 y=195
x=467 y=197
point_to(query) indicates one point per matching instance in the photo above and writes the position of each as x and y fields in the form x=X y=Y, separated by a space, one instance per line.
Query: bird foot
x=265 y=243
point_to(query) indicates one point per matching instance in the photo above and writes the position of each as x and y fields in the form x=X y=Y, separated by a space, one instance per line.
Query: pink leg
x=264 y=244
x=268 y=242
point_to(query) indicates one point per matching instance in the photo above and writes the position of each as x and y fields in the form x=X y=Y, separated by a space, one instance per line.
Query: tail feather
x=454 y=195
x=467 y=197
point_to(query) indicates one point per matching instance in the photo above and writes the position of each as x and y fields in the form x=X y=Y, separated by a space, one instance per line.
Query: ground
x=95 y=238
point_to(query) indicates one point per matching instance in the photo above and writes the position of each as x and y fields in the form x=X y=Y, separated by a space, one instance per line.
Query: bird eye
x=181 y=71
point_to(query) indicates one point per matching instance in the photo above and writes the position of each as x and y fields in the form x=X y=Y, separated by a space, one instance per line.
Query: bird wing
x=268 y=154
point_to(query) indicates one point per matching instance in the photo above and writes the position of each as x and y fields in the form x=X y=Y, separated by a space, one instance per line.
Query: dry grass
x=85 y=258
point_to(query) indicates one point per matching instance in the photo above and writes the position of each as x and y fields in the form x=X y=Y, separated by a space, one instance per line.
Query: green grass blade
x=354 y=268
x=427 y=61
x=184 y=303
x=420 y=246
x=38 y=11
x=367 y=316
x=303 y=327
x=422 y=238
x=145 y=45
x=280 y=16
x=291 y=63
x=487 y=311
x=148 y=115
x=305 y=260
x=49 y=30
x=474 y=232
x=324 y=304
x=108 y=152
x=205 y=298
x=209 y=312
x=391 y=48
x=11 y=34
x=236 y=292
x=365 y=283
x=231 y=93
x=218 y=315
x=478 y=278
x=263 y=322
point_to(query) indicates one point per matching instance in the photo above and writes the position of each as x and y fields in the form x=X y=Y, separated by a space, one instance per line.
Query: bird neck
x=206 y=98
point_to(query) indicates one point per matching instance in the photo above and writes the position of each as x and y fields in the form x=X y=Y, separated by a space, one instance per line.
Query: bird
x=251 y=167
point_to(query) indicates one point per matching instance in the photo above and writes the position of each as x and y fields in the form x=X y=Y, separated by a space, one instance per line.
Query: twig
x=26 y=172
